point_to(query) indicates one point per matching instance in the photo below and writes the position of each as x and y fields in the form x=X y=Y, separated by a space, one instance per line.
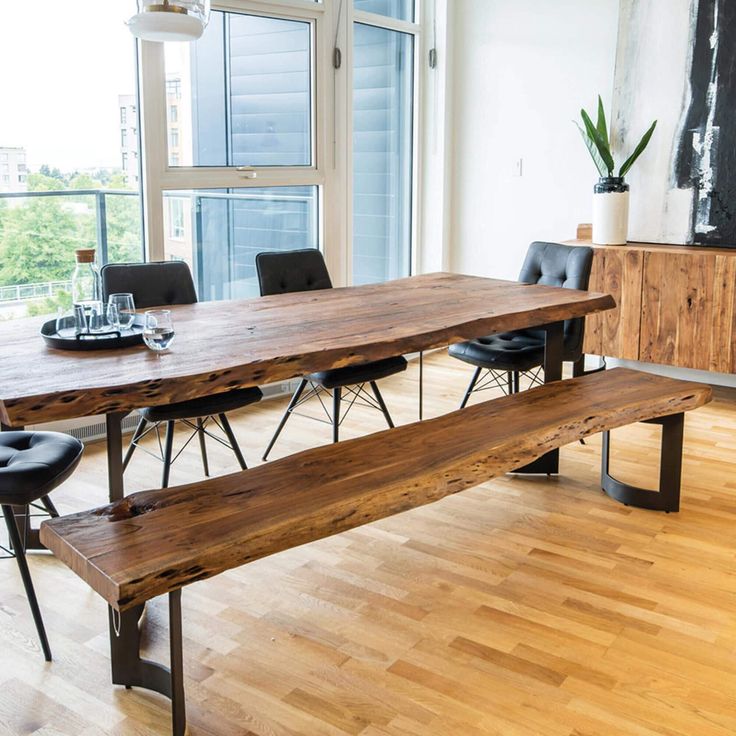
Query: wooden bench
x=156 y=542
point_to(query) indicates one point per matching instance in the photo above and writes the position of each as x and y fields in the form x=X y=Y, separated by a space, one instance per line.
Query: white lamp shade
x=170 y=20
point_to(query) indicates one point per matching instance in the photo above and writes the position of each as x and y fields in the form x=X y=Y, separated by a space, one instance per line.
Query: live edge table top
x=224 y=345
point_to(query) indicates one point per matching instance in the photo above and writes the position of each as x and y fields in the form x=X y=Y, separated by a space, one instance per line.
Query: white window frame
x=332 y=122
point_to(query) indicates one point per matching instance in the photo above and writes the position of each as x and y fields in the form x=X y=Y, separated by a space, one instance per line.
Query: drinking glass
x=126 y=309
x=65 y=324
x=96 y=322
x=80 y=319
x=113 y=316
x=158 y=330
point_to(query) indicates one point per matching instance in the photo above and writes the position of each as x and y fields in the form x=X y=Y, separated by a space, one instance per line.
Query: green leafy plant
x=596 y=139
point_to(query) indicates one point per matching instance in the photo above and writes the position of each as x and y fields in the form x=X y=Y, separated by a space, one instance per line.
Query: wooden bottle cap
x=85 y=255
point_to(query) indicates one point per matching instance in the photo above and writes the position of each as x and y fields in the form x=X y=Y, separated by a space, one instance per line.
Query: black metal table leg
x=554 y=332
x=670 y=470
x=115 y=483
x=130 y=670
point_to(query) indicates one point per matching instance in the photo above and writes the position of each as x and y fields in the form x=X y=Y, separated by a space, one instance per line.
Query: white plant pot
x=610 y=218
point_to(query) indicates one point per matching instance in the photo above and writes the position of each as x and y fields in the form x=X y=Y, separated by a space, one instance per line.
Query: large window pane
x=382 y=154
x=69 y=154
x=219 y=232
x=241 y=95
x=400 y=9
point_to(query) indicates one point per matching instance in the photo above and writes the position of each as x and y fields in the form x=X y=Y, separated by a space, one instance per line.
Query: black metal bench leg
x=25 y=573
x=382 y=404
x=670 y=470
x=130 y=670
x=470 y=388
x=294 y=400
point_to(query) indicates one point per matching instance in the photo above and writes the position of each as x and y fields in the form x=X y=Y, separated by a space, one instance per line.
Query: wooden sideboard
x=676 y=304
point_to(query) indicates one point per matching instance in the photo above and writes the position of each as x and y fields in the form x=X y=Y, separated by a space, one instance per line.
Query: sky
x=64 y=65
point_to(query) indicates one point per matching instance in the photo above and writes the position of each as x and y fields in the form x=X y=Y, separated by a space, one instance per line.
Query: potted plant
x=611 y=193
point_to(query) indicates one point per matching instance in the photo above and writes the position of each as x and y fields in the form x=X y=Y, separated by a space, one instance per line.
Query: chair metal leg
x=49 y=506
x=382 y=404
x=336 y=398
x=131 y=447
x=294 y=399
x=233 y=442
x=470 y=388
x=168 y=451
x=203 y=446
x=25 y=573
x=510 y=382
x=516 y=382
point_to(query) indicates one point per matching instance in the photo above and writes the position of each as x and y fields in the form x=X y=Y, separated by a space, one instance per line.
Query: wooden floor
x=521 y=607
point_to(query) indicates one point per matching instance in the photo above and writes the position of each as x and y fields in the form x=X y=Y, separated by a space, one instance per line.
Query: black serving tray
x=68 y=340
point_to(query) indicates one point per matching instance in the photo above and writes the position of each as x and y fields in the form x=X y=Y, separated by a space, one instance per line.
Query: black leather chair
x=32 y=464
x=166 y=284
x=305 y=270
x=522 y=351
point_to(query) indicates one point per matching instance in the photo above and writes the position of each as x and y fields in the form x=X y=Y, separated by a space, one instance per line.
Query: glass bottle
x=86 y=285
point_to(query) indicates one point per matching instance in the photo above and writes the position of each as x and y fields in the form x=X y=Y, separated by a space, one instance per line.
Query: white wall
x=521 y=71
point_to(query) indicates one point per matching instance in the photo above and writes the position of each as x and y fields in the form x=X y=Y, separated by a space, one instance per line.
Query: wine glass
x=158 y=330
x=126 y=309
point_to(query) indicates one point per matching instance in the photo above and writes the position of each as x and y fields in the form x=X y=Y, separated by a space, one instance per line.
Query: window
x=383 y=94
x=176 y=218
x=230 y=226
x=125 y=161
x=256 y=150
x=399 y=9
x=3 y=156
x=123 y=138
x=77 y=153
x=248 y=88
x=173 y=87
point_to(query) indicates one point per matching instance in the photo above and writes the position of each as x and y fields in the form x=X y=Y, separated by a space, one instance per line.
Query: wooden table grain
x=225 y=345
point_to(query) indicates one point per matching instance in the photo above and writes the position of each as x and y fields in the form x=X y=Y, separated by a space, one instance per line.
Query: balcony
x=39 y=232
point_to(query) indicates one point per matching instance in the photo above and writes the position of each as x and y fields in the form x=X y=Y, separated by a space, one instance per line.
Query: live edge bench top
x=155 y=542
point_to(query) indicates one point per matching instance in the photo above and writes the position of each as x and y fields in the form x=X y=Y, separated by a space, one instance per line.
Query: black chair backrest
x=155 y=284
x=292 y=270
x=569 y=266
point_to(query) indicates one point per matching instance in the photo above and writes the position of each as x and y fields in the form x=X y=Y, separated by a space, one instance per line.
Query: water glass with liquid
x=158 y=329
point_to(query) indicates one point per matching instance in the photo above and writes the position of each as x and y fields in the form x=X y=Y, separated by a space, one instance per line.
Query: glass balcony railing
x=39 y=232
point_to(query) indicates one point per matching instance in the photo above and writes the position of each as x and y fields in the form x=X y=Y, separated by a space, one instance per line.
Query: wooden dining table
x=225 y=345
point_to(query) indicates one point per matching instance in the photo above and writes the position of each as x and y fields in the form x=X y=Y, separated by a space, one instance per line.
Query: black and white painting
x=676 y=62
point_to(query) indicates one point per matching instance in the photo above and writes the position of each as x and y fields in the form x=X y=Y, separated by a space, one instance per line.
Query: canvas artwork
x=676 y=62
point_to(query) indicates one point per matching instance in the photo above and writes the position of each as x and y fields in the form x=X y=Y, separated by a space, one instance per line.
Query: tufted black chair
x=306 y=270
x=522 y=351
x=165 y=284
x=32 y=464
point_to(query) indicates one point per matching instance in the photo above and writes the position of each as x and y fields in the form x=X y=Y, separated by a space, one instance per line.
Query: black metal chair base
x=667 y=498
x=355 y=394
x=19 y=552
x=130 y=670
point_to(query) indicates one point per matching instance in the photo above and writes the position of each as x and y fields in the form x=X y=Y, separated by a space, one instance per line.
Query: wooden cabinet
x=676 y=305
x=615 y=332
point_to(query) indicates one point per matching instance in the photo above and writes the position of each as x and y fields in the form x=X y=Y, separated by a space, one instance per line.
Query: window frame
x=332 y=23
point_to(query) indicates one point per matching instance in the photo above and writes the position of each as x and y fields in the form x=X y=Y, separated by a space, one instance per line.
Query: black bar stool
x=32 y=464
